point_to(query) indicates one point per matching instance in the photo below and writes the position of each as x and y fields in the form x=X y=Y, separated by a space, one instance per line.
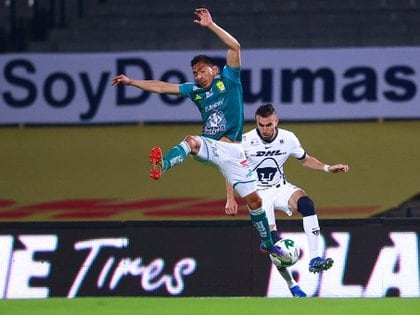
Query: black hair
x=265 y=110
x=202 y=58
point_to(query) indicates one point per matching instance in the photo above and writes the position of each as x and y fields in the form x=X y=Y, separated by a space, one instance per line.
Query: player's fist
x=120 y=79
x=339 y=168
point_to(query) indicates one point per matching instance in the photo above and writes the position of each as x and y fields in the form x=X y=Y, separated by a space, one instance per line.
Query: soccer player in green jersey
x=218 y=97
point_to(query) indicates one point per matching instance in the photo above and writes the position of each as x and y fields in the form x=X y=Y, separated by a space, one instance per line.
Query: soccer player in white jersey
x=267 y=148
x=218 y=96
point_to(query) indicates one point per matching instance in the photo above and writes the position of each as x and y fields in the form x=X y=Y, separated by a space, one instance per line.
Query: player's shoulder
x=250 y=133
x=250 y=136
x=193 y=86
x=285 y=133
x=228 y=68
x=190 y=89
x=230 y=73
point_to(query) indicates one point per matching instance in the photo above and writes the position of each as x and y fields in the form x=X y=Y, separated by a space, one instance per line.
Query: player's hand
x=121 y=79
x=231 y=207
x=339 y=168
x=204 y=16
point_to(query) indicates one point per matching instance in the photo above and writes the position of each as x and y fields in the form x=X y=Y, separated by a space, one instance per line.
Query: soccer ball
x=290 y=248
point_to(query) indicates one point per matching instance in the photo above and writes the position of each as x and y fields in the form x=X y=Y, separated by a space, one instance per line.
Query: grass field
x=44 y=164
x=210 y=306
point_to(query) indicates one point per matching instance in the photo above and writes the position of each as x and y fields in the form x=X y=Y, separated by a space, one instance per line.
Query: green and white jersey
x=221 y=105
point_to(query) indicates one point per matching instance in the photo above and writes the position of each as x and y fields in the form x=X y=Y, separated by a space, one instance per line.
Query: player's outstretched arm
x=313 y=163
x=233 y=57
x=153 y=86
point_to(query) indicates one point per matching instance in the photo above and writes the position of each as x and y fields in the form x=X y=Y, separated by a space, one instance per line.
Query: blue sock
x=260 y=222
x=176 y=155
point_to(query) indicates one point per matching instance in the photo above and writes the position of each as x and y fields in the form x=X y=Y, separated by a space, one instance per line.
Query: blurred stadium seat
x=118 y=25
x=410 y=208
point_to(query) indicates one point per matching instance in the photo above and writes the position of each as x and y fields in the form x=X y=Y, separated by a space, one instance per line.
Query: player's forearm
x=313 y=163
x=155 y=86
x=230 y=195
x=230 y=41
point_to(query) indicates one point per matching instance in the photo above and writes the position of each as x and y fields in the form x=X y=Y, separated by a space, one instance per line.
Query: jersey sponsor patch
x=221 y=86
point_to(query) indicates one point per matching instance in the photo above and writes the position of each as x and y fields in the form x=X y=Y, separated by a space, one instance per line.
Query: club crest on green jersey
x=221 y=86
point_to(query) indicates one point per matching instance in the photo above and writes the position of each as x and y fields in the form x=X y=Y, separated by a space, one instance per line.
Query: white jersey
x=267 y=158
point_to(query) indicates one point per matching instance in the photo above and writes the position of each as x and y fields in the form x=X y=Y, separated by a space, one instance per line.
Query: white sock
x=312 y=231
x=284 y=272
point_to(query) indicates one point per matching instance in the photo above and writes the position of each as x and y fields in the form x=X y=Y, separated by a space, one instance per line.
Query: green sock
x=176 y=155
x=260 y=222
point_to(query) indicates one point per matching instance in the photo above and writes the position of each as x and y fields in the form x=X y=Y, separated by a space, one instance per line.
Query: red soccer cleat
x=156 y=163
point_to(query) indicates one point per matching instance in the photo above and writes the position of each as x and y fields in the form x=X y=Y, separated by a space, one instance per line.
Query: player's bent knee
x=253 y=201
x=194 y=142
x=306 y=206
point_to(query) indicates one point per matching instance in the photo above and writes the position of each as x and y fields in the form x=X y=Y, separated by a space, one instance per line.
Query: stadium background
x=100 y=173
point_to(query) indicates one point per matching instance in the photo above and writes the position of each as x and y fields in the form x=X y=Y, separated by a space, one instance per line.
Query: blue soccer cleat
x=297 y=292
x=319 y=264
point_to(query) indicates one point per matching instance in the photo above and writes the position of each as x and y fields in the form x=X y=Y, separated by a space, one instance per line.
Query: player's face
x=204 y=74
x=267 y=126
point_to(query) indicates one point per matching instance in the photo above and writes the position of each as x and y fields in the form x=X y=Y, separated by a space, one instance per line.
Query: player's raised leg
x=260 y=222
x=160 y=164
x=306 y=207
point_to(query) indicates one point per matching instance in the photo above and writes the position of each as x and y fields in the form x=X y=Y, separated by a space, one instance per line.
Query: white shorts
x=277 y=198
x=229 y=158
